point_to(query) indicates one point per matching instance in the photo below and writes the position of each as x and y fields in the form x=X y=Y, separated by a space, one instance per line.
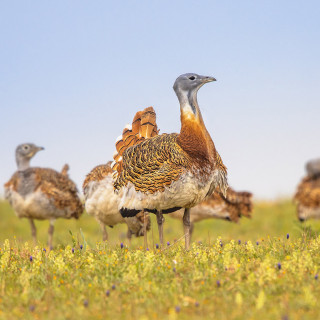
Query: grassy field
x=248 y=270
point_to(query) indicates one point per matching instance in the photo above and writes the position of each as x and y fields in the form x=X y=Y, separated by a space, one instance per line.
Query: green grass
x=232 y=281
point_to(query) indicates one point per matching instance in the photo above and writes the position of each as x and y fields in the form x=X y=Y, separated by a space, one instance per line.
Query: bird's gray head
x=186 y=87
x=191 y=82
x=24 y=152
x=313 y=168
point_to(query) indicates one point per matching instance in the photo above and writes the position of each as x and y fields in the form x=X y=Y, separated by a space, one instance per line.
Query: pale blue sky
x=73 y=73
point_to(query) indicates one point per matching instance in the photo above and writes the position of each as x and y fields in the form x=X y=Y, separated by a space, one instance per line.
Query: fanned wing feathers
x=144 y=126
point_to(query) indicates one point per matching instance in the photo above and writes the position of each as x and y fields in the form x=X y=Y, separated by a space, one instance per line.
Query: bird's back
x=308 y=192
x=43 y=193
x=153 y=164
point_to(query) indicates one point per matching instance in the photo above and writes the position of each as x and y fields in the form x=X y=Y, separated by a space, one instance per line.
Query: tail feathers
x=143 y=126
x=65 y=169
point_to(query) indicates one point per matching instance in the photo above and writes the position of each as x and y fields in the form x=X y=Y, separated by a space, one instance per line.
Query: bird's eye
x=192 y=78
x=26 y=147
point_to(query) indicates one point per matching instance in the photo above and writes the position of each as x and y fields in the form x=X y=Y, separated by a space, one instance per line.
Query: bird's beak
x=40 y=148
x=208 y=79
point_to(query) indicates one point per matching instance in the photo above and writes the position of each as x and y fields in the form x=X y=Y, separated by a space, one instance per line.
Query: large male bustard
x=163 y=173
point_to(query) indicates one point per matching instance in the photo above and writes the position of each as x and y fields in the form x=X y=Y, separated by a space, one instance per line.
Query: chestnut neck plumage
x=194 y=137
x=23 y=163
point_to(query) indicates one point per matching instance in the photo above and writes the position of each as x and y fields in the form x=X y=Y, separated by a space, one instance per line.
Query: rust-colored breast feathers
x=308 y=193
x=153 y=164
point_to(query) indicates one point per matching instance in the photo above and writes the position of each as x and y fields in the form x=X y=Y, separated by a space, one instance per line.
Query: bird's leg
x=186 y=225
x=160 y=220
x=191 y=229
x=50 y=233
x=145 y=230
x=33 y=231
x=129 y=235
x=104 y=231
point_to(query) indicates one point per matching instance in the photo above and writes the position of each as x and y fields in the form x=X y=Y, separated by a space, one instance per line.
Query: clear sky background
x=73 y=73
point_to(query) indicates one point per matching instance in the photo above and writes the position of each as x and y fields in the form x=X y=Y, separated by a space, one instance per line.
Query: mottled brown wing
x=57 y=187
x=308 y=192
x=98 y=173
x=153 y=164
x=236 y=203
x=240 y=200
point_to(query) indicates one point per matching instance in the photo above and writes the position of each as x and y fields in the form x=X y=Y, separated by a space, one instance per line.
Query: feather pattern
x=152 y=165
x=143 y=126
x=102 y=203
x=45 y=190
x=231 y=207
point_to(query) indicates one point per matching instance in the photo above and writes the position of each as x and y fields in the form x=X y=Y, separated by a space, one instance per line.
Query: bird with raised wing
x=163 y=173
x=41 y=193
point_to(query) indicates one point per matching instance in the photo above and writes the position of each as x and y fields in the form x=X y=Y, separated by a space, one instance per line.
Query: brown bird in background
x=102 y=203
x=307 y=196
x=231 y=208
x=163 y=173
x=41 y=193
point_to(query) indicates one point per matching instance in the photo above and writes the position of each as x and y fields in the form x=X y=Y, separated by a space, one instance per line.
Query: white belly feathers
x=187 y=192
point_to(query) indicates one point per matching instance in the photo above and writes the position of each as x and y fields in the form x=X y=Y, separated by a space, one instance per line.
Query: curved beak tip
x=210 y=79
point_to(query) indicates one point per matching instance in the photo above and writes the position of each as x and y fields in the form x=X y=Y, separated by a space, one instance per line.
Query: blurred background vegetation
x=274 y=219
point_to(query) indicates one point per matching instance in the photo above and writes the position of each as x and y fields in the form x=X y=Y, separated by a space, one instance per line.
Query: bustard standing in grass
x=167 y=172
x=102 y=203
x=41 y=193
x=307 y=196
x=231 y=208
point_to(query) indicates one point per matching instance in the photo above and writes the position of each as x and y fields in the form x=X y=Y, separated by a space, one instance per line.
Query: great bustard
x=307 y=196
x=102 y=203
x=167 y=172
x=41 y=193
x=231 y=208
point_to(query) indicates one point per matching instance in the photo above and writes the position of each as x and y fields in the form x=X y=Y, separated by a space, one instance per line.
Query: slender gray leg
x=191 y=229
x=145 y=231
x=50 y=232
x=104 y=231
x=186 y=225
x=33 y=231
x=160 y=220
x=129 y=235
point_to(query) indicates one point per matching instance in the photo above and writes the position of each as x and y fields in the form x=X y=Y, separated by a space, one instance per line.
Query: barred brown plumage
x=41 y=193
x=231 y=207
x=307 y=196
x=102 y=203
x=169 y=171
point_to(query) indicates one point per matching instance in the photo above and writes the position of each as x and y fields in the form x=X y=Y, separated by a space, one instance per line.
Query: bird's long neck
x=194 y=137
x=23 y=163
